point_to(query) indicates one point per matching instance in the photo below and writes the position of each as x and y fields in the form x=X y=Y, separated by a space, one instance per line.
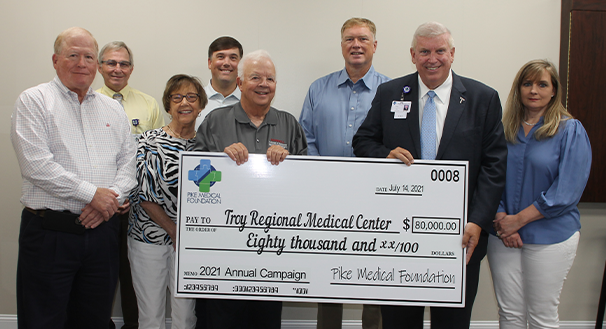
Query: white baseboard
x=357 y=324
x=9 y=321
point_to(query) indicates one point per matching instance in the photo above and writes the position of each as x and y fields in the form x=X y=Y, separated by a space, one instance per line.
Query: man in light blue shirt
x=336 y=104
x=334 y=108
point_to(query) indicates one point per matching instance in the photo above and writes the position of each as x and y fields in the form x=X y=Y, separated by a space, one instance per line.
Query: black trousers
x=243 y=314
x=411 y=317
x=128 y=298
x=200 y=313
x=66 y=280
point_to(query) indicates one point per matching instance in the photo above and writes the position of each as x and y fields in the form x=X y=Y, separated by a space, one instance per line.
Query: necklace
x=530 y=124
x=179 y=136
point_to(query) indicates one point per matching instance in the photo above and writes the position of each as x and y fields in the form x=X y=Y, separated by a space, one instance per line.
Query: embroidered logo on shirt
x=278 y=142
x=107 y=124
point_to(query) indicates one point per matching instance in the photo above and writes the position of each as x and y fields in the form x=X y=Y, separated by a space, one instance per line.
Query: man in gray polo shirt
x=250 y=126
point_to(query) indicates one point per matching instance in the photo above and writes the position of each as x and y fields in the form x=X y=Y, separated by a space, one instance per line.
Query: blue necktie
x=428 y=129
x=118 y=97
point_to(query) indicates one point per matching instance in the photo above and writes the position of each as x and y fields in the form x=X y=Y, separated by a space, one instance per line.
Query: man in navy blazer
x=467 y=127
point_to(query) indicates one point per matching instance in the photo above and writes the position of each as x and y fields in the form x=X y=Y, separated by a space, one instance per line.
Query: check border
x=342 y=299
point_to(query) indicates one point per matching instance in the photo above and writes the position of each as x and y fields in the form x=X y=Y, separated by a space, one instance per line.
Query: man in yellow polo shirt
x=116 y=65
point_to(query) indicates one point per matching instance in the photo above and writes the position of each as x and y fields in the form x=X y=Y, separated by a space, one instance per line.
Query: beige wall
x=493 y=39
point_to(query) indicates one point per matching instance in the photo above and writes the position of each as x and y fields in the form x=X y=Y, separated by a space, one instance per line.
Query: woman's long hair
x=515 y=110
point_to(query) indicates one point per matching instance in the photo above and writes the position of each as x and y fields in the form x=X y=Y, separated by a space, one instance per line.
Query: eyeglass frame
x=186 y=96
x=123 y=64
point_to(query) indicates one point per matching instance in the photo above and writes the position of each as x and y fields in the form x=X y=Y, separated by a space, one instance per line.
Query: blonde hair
x=358 y=21
x=515 y=110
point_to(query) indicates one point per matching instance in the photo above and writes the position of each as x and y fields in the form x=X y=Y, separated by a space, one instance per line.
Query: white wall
x=493 y=39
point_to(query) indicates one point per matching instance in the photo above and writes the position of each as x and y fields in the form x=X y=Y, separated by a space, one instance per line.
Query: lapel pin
x=406 y=89
x=462 y=100
x=135 y=122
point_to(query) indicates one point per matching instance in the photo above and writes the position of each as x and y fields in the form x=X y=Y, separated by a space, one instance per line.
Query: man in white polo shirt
x=224 y=54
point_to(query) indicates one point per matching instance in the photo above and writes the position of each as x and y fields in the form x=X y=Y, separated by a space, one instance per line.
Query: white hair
x=431 y=30
x=252 y=56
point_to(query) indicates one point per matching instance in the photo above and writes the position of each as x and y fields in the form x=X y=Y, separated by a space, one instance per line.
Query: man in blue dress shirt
x=334 y=108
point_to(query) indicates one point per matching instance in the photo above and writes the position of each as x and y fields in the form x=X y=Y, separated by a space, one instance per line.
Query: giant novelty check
x=322 y=229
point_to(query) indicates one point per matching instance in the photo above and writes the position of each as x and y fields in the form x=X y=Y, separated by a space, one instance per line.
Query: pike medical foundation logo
x=204 y=176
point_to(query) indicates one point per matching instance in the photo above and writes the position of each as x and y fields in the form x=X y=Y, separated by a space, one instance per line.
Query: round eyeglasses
x=177 y=98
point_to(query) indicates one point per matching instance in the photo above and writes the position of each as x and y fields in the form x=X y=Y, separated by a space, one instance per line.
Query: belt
x=62 y=221
x=37 y=212
x=42 y=212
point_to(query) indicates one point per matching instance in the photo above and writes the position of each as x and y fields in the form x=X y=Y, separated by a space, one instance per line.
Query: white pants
x=528 y=281
x=152 y=268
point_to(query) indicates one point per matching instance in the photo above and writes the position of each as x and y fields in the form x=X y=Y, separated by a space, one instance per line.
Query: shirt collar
x=443 y=91
x=522 y=135
x=65 y=90
x=271 y=118
x=126 y=91
x=365 y=80
x=211 y=92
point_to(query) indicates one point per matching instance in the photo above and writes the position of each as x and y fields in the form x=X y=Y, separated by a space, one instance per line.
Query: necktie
x=118 y=97
x=428 y=128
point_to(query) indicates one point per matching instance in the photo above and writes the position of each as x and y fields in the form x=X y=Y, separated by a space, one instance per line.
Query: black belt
x=36 y=212
x=60 y=221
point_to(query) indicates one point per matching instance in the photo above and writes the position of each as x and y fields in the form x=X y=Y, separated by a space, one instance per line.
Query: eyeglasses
x=177 y=98
x=112 y=64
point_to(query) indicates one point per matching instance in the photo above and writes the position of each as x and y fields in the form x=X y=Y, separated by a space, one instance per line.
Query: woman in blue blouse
x=536 y=228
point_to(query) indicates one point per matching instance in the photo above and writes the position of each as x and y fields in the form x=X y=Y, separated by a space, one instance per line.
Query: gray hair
x=431 y=30
x=116 y=45
x=255 y=55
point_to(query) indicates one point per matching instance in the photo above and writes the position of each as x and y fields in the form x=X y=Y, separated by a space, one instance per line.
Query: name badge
x=400 y=109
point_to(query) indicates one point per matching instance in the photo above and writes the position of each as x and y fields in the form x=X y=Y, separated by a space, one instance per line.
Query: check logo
x=204 y=176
